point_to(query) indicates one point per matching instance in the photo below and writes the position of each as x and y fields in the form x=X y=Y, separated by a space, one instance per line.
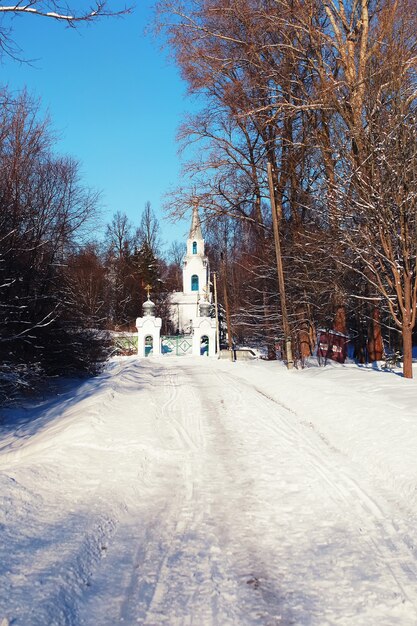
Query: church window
x=194 y=247
x=194 y=282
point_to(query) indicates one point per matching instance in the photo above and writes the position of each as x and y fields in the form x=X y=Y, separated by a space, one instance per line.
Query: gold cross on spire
x=148 y=289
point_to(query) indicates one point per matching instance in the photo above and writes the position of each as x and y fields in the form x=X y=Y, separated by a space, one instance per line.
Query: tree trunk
x=407 y=334
x=375 y=344
x=269 y=332
x=339 y=324
x=303 y=333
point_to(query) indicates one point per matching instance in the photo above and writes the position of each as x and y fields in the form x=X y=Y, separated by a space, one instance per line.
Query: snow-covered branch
x=41 y=9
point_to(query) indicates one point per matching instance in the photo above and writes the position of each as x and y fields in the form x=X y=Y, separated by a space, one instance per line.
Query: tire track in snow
x=232 y=496
x=170 y=570
x=192 y=587
x=174 y=564
x=395 y=553
x=174 y=412
x=147 y=585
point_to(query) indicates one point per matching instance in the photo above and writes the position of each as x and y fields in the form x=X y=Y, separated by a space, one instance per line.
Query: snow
x=184 y=490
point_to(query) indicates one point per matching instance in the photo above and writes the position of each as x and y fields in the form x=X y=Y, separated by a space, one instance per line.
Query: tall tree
x=148 y=232
x=43 y=209
x=123 y=280
x=305 y=86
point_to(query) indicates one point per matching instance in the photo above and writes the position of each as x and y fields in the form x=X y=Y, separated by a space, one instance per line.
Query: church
x=184 y=305
x=190 y=309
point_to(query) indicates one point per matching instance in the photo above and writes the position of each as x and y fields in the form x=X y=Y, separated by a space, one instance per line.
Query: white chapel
x=195 y=276
x=190 y=309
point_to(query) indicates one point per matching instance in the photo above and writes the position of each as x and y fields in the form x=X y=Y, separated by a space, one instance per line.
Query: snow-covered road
x=197 y=492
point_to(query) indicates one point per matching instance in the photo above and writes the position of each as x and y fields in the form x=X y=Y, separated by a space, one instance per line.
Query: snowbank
x=367 y=414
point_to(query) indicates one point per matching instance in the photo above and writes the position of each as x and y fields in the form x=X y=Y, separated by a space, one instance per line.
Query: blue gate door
x=178 y=345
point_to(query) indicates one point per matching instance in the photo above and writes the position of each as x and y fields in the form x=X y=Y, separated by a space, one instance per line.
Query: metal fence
x=178 y=345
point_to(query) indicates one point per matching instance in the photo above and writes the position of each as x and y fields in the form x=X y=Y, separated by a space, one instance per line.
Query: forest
x=302 y=158
x=61 y=288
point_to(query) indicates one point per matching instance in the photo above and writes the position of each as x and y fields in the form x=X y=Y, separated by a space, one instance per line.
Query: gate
x=178 y=345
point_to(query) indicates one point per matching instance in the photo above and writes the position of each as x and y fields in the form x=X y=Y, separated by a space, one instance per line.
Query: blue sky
x=116 y=102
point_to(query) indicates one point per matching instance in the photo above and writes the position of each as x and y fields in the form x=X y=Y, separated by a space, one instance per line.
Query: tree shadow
x=26 y=420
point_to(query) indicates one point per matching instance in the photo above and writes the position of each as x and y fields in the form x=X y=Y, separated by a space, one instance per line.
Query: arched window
x=204 y=345
x=194 y=282
x=194 y=247
x=148 y=345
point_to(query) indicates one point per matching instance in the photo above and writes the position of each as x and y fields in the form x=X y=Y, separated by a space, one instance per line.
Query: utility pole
x=226 y=306
x=217 y=314
x=280 y=270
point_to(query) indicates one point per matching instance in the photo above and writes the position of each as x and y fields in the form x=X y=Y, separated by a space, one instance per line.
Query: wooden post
x=280 y=271
x=226 y=306
x=217 y=315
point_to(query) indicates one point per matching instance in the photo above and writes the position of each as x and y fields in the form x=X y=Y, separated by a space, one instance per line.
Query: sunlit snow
x=186 y=491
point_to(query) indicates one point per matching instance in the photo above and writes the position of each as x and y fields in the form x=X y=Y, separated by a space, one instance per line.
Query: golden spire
x=195 y=230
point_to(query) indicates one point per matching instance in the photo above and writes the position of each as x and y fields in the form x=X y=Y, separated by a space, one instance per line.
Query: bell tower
x=195 y=271
x=185 y=305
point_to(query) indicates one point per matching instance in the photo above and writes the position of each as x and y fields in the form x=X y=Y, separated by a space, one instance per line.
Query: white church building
x=190 y=309
x=184 y=310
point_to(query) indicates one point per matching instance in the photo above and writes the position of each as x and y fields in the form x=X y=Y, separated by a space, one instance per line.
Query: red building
x=332 y=345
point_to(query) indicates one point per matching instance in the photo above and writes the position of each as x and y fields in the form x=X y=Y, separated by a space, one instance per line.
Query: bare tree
x=173 y=270
x=52 y=10
x=380 y=217
x=43 y=207
x=120 y=238
x=149 y=230
x=320 y=90
x=87 y=277
x=245 y=66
